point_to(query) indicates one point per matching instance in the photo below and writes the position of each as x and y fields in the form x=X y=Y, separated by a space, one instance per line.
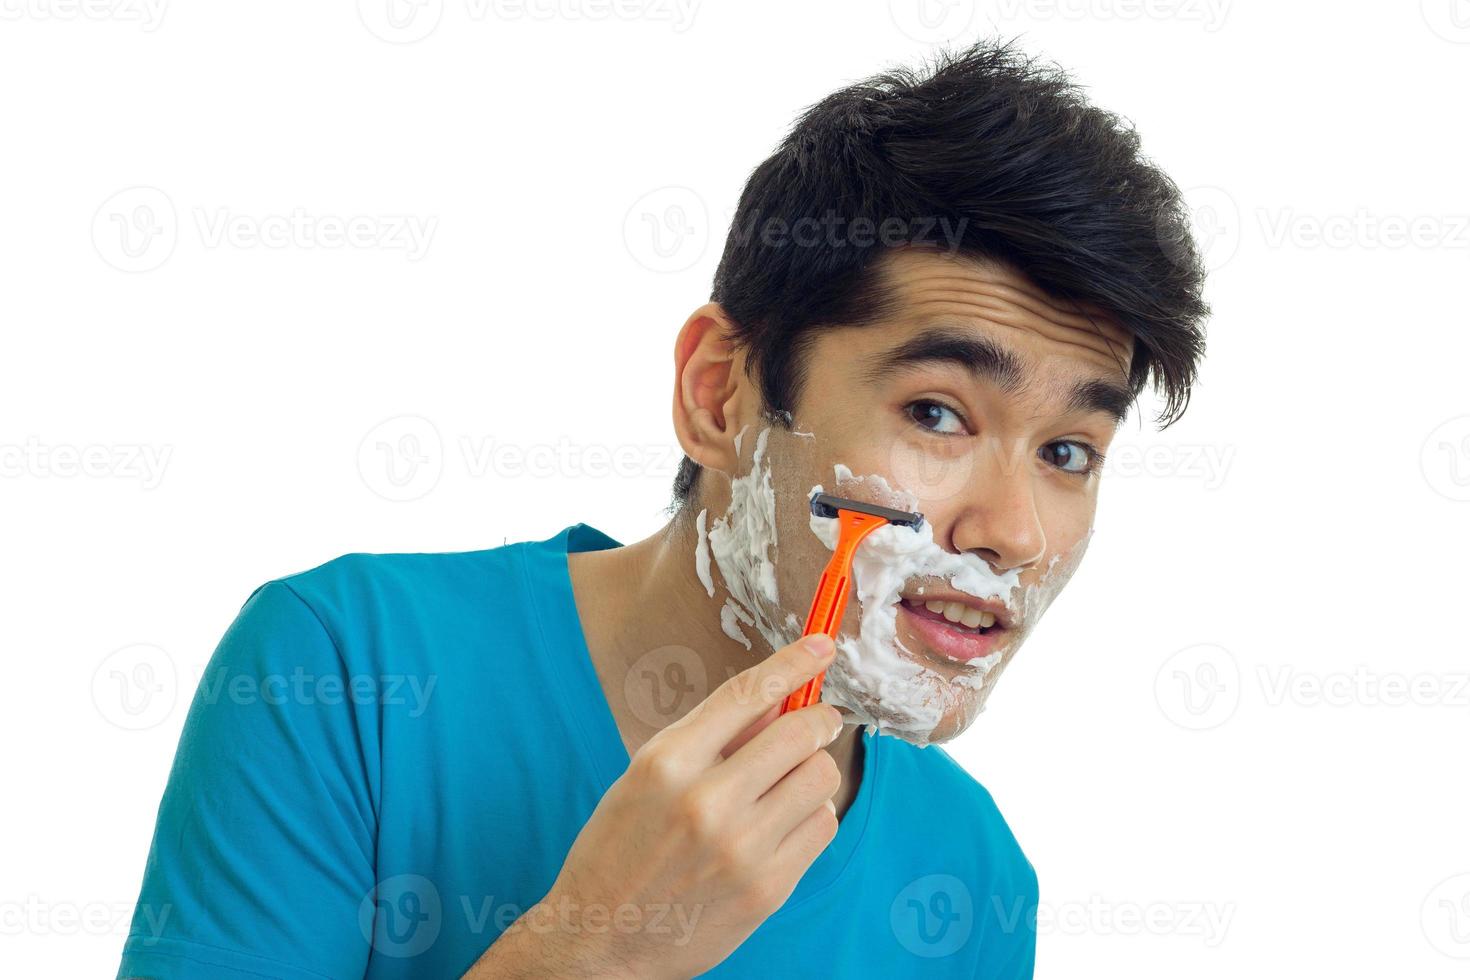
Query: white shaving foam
x=730 y=619
x=743 y=543
x=885 y=691
x=701 y=555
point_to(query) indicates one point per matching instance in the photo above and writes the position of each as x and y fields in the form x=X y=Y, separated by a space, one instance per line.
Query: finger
x=796 y=796
x=739 y=702
x=772 y=713
x=809 y=838
x=776 y=751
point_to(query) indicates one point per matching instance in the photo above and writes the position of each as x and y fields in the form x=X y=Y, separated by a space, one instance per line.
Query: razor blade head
x=826 y=505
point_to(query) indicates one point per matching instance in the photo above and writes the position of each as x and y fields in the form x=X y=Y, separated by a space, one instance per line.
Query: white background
x=1237 y=745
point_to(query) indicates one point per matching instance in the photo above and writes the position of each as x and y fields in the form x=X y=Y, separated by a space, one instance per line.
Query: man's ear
x=712 y=395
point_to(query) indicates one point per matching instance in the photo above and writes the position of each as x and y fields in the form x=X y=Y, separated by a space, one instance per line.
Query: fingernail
x=832 y=808
x=818 y=644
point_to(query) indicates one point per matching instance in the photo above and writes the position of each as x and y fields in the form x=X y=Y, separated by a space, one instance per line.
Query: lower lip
x=947 y=639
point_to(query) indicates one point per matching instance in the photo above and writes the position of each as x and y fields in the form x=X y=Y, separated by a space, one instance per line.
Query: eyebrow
x=986 y=360
x=1112 y=400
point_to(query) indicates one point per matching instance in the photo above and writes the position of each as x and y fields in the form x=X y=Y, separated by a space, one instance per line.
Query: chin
x=919 y=704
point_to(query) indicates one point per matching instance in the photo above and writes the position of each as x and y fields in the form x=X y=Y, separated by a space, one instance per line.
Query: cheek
x=1068 y=536
x=920 y=467
x=1053 y=575
x=1066 y=517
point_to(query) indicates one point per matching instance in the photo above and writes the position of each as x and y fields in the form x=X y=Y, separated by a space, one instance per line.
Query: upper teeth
x=958 y=612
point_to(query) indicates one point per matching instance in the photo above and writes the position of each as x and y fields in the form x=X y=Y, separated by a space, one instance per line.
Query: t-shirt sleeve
x=262 y=861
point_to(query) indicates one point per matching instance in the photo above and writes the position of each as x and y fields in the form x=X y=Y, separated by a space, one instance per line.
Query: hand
x=707 y=832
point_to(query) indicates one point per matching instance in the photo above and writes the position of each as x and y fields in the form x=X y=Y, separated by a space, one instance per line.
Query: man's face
x=983 y=404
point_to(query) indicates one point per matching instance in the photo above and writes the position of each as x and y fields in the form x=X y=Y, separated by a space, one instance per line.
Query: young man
x=566 y=758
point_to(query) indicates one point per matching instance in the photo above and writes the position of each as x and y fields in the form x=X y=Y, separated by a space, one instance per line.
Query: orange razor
x=855 y=520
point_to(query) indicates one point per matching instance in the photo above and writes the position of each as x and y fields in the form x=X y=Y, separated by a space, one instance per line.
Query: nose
x=999 y=521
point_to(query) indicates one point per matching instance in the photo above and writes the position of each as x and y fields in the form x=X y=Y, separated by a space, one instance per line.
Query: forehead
x=931 y=289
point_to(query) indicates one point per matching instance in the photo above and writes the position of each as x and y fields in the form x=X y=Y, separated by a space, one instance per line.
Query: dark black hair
x=985 y=153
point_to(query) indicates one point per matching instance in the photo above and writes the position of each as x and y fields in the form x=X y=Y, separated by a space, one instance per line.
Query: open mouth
x=952 y=629
x=961 y=617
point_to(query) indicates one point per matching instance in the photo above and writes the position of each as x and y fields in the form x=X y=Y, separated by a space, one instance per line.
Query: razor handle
x=830 y=601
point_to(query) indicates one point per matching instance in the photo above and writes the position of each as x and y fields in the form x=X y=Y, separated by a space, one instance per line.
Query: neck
x=654 y=635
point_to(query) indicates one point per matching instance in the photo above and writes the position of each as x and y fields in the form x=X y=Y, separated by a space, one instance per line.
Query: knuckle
x=819 y=777
x=699 y=814
x=759 y=896
x=659 y=766
x=800 y=737
x=731 y=856
x=764 y=893
x=820 y=726
x=828 y=776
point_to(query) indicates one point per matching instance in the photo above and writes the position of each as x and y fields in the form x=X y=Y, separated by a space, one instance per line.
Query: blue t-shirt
x=389 y=756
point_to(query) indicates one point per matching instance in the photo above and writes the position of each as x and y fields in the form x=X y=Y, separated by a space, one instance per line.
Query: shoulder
x=360 y=576
x=389 y=586
x=383 y=611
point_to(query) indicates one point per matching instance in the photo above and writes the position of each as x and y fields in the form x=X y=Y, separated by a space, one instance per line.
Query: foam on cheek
x=884 y=690
x=743 y=545
x=1038 y=598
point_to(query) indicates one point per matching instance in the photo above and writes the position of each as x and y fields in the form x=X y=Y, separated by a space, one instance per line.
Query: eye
x=1070 y=457
x=935 y=416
